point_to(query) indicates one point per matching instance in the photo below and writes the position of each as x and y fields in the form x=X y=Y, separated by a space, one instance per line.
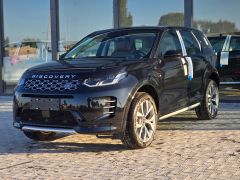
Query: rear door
x=174 y=74
x=199 y=63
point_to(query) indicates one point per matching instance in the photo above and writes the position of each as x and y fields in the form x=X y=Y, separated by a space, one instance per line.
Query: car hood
x=81 y=68
x=81 y=65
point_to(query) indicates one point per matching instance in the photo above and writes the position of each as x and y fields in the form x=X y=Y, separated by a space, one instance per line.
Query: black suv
x=227 y=48
x=120 y=82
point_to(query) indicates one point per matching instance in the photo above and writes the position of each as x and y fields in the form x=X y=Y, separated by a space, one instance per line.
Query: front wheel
x=210 y=103
x=39 y=135
x=141 y=123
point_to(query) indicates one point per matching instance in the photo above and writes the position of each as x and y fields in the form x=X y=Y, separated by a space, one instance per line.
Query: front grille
x=55 y=118
x=52 y=84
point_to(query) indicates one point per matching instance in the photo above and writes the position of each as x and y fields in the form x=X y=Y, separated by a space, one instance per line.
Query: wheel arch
x=215 y=77
x=210 y=74
x=147 y=87
x=152 y=92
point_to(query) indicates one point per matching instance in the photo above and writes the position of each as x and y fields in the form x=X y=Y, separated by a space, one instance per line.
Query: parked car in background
x=120 y=82
x=227 y=48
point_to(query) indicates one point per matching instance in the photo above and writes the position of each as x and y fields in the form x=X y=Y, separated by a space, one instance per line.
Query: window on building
x=151 y=12
x=216 y=16
x=27 y=38
x=78 y=18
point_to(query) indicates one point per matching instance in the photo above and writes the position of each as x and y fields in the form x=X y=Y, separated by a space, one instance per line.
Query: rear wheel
x=209 y=105
x=39 y=135
x=142 y=122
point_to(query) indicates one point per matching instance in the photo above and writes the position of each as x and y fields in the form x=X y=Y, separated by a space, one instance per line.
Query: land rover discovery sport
x=120 y=82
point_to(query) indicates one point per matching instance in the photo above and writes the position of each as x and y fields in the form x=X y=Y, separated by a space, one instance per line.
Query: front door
x=174 y=73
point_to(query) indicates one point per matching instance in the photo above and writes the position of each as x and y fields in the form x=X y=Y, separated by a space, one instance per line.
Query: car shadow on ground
x=63 y=143
x=75 y=147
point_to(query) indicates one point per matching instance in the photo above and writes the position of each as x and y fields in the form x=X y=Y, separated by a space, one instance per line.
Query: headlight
x=108 y=80
x=21 y=81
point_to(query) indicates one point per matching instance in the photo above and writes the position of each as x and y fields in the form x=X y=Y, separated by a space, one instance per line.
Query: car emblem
x=52 y=76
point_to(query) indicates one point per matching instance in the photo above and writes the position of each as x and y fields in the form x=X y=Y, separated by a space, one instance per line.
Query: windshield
x=217 y=43
x=114 y=45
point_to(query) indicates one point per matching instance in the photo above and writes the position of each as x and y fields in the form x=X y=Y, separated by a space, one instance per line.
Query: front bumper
x=65 y=130
x=89 y=112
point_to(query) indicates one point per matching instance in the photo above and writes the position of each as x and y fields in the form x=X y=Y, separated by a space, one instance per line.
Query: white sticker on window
x=190 y=68
x=224 y=58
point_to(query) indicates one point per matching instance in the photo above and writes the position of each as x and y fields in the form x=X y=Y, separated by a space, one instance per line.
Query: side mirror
x=172 y=53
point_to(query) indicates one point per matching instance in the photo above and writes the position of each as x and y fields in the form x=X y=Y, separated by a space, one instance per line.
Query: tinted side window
x=217 y=43
x=234 y=44
x=190 y=42
x=169 y=42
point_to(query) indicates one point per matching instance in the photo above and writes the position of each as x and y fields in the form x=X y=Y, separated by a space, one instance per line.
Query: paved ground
x=184 y=148
x=230 y=93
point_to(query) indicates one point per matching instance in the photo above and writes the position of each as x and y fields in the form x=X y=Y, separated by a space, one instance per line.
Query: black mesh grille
x=56 y=118
x=51 y=84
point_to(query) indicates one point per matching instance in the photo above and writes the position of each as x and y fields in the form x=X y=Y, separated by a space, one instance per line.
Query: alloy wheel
x=212 y=99
x=145 y=123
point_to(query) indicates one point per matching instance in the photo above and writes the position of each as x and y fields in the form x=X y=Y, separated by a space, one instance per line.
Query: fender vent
x=107 y=105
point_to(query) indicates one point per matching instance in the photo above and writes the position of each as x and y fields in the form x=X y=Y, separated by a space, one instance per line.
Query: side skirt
x=179 y=111
x=229 y=83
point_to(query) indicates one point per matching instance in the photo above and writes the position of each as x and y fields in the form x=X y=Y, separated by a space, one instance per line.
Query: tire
x=141 y=123
x=39 y=135
x=209 y=106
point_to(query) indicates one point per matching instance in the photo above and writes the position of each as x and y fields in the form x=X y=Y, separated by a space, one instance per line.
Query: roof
x=153 y=28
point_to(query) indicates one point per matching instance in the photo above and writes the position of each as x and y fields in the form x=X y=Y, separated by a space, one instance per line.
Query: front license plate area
x=45 y=104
